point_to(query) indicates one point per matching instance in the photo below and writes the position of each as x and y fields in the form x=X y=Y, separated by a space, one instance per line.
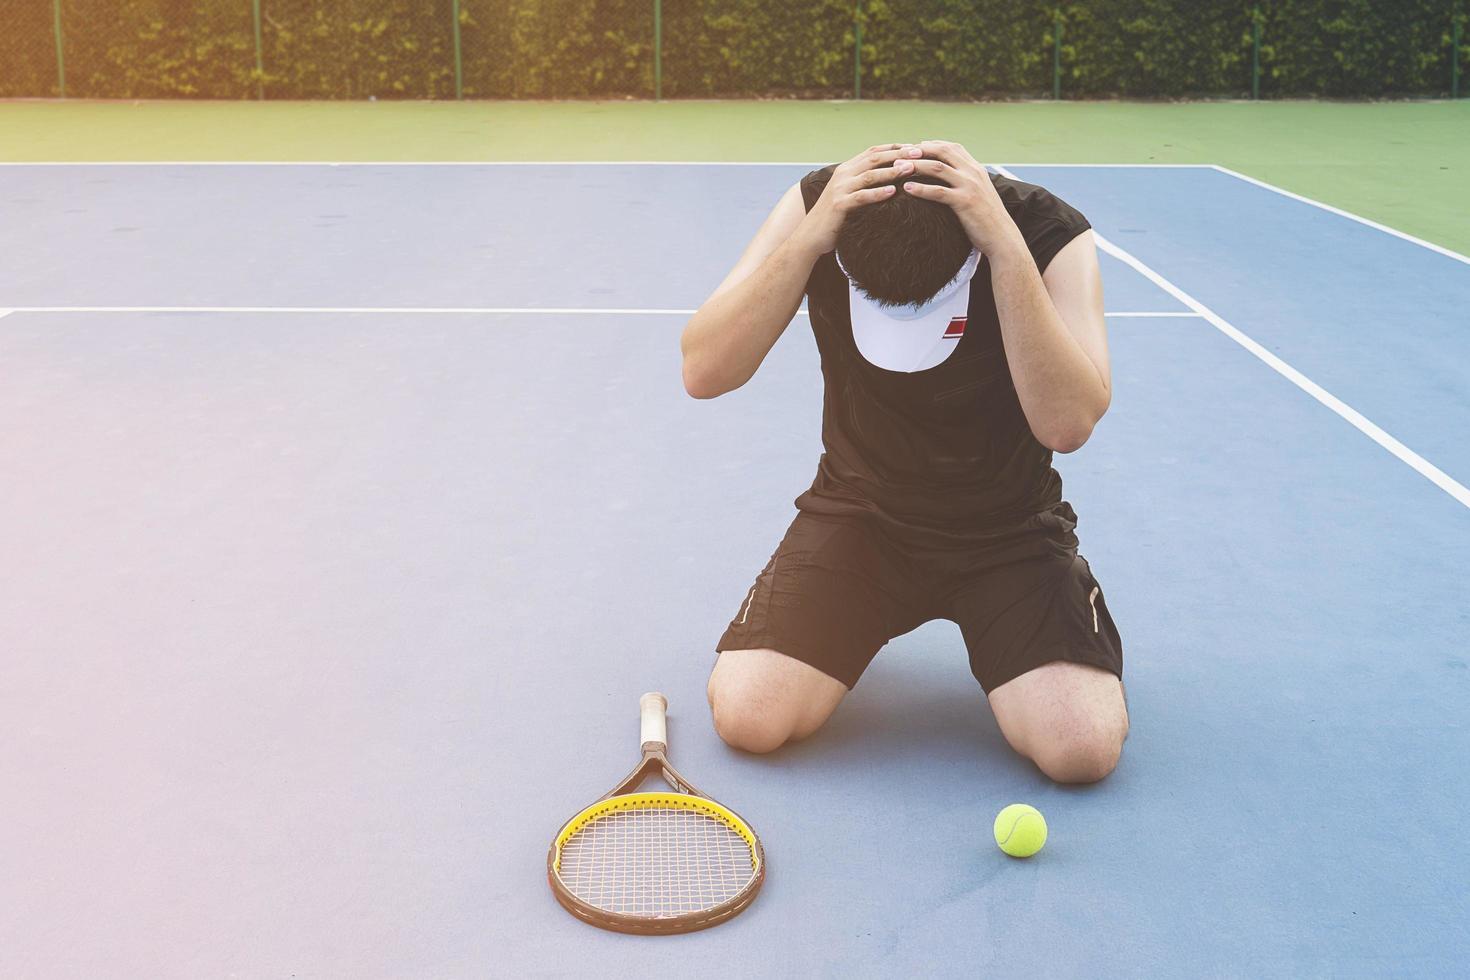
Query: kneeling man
x=959 y=318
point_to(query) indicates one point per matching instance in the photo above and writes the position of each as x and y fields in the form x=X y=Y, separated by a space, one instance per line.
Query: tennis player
x=959 y=318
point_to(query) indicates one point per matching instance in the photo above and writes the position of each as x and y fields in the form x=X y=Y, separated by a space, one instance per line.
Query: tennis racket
x=659 y=862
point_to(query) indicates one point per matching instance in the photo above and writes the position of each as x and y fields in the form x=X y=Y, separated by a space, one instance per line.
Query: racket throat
x=655 y=762
x=678 y=782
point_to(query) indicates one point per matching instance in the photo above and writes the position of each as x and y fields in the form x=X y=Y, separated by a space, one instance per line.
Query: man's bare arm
x=1053 y=328
x=1055 y=338
x=729 y=336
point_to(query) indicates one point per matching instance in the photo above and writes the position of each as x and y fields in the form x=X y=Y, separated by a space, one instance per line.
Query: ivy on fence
x=516 y=49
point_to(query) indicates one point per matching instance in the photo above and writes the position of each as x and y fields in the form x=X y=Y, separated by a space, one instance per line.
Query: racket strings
x=656 y=861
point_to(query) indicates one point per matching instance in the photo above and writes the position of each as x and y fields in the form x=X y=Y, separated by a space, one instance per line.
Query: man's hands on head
x=968 y=190
x=865 y=179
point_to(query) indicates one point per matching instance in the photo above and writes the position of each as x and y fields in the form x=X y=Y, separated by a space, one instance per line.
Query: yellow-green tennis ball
x=1020 y=830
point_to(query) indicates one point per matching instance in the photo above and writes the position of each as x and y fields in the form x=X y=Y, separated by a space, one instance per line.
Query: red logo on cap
x=956 y=328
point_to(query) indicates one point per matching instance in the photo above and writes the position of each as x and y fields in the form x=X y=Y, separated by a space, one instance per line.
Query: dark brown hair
x=902 y=250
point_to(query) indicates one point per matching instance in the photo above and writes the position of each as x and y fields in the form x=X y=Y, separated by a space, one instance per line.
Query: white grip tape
x=652 y=707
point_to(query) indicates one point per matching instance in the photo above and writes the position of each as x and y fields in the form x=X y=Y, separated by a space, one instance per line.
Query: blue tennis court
x=345 y=523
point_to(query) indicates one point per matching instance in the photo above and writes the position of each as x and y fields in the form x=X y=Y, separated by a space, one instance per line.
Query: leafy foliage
x=157 y=48
x=27 y=50
x=527 y=49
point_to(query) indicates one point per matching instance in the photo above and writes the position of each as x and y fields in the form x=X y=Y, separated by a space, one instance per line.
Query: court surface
x=347 y=512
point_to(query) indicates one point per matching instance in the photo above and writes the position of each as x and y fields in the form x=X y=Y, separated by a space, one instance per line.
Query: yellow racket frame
x=678 y=801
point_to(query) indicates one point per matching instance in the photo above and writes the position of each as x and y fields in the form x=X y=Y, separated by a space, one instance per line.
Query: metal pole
x=458 y=59
x=60 y=57
x=1455 y=58
x=259 y=59
x=1056 y=56
x=658 y=50
x=1255 y=52
x=857 y=52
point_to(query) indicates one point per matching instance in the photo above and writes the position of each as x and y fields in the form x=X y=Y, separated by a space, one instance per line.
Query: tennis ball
x=1020 y=830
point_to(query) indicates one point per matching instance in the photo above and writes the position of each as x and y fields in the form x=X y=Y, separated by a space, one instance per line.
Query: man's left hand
x=967 y=189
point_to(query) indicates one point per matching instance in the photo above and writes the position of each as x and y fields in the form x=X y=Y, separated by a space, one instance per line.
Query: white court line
x=1112 y=166
x=1355 y=418
x=417 y=163
x=416 y=310
x=537 y=163
x=1448 y=253
x=437 y=310
x=5 y=313
x=1187 y=314
x=1349 y=414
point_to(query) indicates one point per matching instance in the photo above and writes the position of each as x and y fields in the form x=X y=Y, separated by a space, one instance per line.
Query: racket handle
x=655 y=729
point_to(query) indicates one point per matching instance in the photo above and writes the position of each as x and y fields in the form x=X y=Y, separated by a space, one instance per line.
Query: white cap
x=912 y=337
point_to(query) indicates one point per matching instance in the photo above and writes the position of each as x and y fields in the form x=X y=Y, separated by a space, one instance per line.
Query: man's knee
x=761 y=699
x=1084 y=754
x=1070 y=719
x=745 y=723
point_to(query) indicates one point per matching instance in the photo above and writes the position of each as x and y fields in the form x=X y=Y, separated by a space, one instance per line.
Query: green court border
x=1404 y=164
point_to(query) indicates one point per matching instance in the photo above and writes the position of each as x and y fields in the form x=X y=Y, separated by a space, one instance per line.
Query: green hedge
x=353 y=49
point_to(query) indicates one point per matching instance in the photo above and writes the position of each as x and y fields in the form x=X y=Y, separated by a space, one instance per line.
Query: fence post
x=60 y=57
x=857 y=52
x=1455 y=56
x=1255 y=52
x=259 y=59
x=658 y=50
x=458 y=60
x=1056 y=55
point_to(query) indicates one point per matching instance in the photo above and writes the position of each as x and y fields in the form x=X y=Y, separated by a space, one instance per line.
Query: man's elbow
x=1066 y=439
x=1068 y=435
x=698 y=383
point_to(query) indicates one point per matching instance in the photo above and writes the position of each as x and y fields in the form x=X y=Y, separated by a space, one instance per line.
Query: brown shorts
x=838 y=588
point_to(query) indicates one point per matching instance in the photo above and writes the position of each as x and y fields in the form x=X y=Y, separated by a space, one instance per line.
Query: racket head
x=656 y=862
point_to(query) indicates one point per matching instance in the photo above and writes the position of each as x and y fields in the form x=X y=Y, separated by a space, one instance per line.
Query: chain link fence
x=533 y=49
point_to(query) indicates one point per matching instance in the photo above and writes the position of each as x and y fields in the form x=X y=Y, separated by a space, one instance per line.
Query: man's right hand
x=730 y=334
x=865 y=179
